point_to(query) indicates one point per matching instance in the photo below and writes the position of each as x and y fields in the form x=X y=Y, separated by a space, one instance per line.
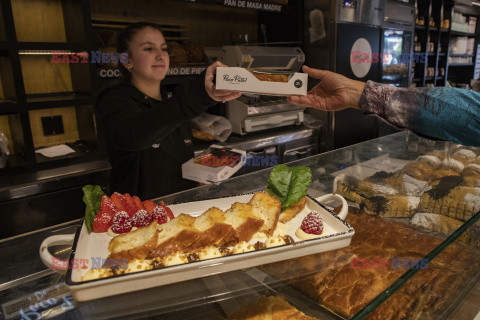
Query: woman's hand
x=334 y=92
x=218 y=95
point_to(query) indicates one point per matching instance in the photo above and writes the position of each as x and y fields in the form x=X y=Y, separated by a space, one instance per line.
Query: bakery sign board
x=243 y=80
x=257 y=5
x=184 y=71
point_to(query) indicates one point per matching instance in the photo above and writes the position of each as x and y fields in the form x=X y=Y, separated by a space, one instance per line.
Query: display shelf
x=417 y=79
x=461 y=64
x=428 y=78
x=82 y=153
x=418 y=27
x=461 y=55
x=39 y=101
x=7 y=106
x=462 y=34
x=54 y=46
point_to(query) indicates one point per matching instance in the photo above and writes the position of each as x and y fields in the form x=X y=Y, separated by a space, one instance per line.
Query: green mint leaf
x=92 y=197
x=289 y=185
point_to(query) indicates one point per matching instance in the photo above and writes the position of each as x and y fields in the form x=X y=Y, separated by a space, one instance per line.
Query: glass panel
x=389 y=246
x=396 y=56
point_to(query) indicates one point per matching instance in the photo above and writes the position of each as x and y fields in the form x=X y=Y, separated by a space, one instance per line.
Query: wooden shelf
x=463 y=34
x=41 y=101
x=8 y=107
x=43 y=46
x=461 y=64
x=462 y=55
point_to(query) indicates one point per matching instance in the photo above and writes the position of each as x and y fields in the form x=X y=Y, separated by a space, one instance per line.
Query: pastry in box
x=261 y=81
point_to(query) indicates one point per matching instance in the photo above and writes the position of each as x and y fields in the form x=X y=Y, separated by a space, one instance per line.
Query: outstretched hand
x=218 y=95
x=334 y=92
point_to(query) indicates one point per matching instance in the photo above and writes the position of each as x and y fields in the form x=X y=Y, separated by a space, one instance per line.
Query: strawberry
x=124 y=204
x=138 y=203
x=107 y=207
x=141 y=219
x=101 y=224
x=312 y=223
x=131 y=202
x=121 y=222
x=160 y=214
x=117 y=200
x=168 y=212
x=149 y=205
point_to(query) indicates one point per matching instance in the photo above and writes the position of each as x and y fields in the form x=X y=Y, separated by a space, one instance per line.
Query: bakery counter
x=412 y=202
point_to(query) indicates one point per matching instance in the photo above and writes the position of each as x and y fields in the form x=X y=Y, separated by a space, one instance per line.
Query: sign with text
x=253 y=5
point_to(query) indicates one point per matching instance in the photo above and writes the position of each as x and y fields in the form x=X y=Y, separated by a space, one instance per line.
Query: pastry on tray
x=341 y=282
x=418 y=170
x=270 y=308
x=448 y=197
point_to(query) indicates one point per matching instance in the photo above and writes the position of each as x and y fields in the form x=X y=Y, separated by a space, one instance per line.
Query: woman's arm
x=440 y=113
x=131 y=128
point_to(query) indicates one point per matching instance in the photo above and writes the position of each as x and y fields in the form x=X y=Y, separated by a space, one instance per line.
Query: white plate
x=337 y=234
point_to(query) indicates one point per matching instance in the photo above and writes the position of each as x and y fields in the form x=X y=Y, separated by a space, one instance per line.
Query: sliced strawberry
x=149 y=205
x=101 y=223
x=107 y=207
x=126 y=206
x=117 y=200
x=131 y=202
x=168 y=212
x=138 y=203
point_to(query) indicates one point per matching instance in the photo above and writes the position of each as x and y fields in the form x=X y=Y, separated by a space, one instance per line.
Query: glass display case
x=395 y=267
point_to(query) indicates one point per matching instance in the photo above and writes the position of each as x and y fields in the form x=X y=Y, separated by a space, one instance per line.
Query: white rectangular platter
x=336 y=234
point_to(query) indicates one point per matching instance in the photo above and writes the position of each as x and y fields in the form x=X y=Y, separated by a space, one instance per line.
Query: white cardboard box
x=200 y=168
x=240 y=79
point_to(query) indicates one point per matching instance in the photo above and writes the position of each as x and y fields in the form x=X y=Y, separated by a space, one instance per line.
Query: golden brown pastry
x=270 y=308
x=471 y=169
x=271 y=77
x=347 y=287
x=418 y=170
x=448 y=197
x=292 y=210
x=202 y=135
x=437 y=174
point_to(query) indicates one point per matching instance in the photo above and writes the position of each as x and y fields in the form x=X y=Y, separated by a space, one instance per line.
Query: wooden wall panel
x=39 y=21
x=42 y=76
x=70 y=127
x=5 y=128
x=2 y=94
x=209 y=25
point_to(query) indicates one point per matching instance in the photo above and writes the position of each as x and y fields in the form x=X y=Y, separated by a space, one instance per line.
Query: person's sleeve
x=129 y=127
x=439 y=113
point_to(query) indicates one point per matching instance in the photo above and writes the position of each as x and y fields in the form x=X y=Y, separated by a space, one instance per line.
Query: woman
x=438 y=113
x=146 y=134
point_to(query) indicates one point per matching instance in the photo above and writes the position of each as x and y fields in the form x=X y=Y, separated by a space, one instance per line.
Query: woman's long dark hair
x=125 y=38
